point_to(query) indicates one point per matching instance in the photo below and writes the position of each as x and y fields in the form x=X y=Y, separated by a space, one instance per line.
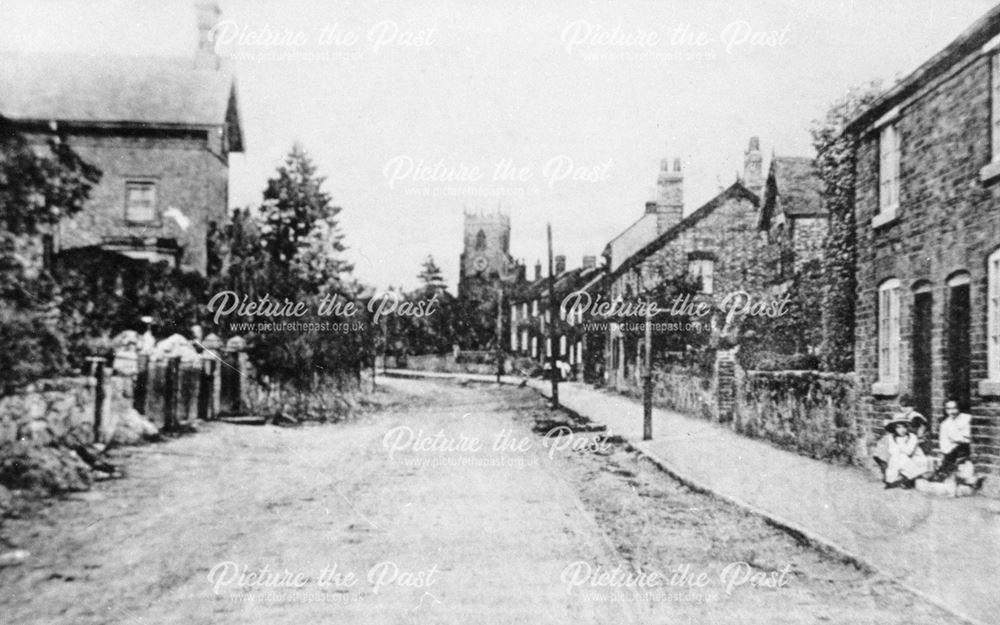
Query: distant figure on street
x=954 y=438
x=564 y=369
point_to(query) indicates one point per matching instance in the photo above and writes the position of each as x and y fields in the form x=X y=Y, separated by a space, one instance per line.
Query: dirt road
x=453 y=504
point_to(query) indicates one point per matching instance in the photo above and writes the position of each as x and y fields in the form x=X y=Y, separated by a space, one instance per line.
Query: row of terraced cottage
x=925 y=259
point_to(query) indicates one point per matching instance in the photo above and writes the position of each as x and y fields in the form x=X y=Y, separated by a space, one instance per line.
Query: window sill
x=990 y=173
x=989 y=388
x=885 y=389
x=885 y=218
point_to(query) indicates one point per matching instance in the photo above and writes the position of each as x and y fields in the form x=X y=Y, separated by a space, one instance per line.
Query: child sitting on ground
x=905 y=462
x=916 y=424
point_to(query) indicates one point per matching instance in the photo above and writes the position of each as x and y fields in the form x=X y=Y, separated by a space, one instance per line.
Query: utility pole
x=647 y=386
x=499 y=329
x=552 y=318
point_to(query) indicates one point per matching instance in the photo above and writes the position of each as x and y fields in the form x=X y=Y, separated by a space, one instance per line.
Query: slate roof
x=109 y=89
x=969 y=42
x=793 y=188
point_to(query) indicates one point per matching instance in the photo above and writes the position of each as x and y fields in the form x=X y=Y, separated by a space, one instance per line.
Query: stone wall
x=448 y=364
x=61 y=411
x=809 y=412
x=687 y=393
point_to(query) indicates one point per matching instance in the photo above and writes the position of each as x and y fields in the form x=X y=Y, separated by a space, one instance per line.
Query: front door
x=922 y=377
x=958 y=341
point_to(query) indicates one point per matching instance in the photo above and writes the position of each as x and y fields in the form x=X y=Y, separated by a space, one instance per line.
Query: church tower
x=485 y=250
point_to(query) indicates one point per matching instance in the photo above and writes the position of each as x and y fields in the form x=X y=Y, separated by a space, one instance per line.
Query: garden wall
x=810 y=412
x=449 y=364
x=60 y=411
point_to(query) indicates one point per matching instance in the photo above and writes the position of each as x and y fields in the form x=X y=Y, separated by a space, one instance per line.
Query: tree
x=836 y=160
x=293 y=203
x=430 y=276
x=40 y=187
x=433 y=332
x=291 y=248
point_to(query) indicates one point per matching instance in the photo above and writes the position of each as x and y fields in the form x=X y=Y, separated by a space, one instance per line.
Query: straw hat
x=889 y=424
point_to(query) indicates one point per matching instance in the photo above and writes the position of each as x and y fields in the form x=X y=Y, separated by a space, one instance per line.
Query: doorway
x=923 y=303
x=958 y=340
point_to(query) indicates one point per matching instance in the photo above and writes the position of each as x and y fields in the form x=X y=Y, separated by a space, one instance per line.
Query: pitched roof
x=734 y=191
x=794 y=188
x=565 y=282
x=108 y=89
x=970 y=41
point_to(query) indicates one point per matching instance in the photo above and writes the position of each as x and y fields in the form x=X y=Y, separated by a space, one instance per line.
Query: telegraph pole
x=499 y=329
x=647 y=382
x=552 y=325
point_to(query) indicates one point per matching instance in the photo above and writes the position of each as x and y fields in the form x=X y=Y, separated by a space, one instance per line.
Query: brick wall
x=188 y=176
x=948 y=222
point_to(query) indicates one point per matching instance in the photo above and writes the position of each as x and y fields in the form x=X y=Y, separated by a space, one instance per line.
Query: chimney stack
x=753 y=167
x=589 y=262
x=207 y=14
x=560 y=264
x=651 y=208
x=538 y=270
x=670 y=195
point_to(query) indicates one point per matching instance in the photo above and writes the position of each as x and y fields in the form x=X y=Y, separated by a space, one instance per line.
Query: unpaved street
x=449 y=505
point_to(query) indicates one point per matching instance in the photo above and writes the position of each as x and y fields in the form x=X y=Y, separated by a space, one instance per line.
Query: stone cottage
x=792 y=215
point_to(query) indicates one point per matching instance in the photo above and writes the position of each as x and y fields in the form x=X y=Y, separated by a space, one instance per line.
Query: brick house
x=927 y=208
x=160 y=129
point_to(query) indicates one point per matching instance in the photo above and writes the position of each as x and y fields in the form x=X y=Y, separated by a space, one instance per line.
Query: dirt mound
x=41 y=469
x=133 y=428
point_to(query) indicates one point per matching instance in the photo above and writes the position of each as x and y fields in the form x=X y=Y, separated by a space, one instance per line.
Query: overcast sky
x=556 y=113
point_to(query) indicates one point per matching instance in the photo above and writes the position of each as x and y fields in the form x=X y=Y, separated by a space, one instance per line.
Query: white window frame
x=995 y=107
x=993 y=316
x=137 y=184
x=704 y=270
x=888 y=331
x=889 y=151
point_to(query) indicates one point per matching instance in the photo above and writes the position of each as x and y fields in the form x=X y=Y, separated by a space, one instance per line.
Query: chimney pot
x=753 y=167
x=207 y=14
x=670 y=195
x=538 y=270
x=651 y=208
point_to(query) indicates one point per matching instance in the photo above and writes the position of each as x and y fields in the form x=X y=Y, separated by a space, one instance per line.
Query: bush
x=30 y=347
